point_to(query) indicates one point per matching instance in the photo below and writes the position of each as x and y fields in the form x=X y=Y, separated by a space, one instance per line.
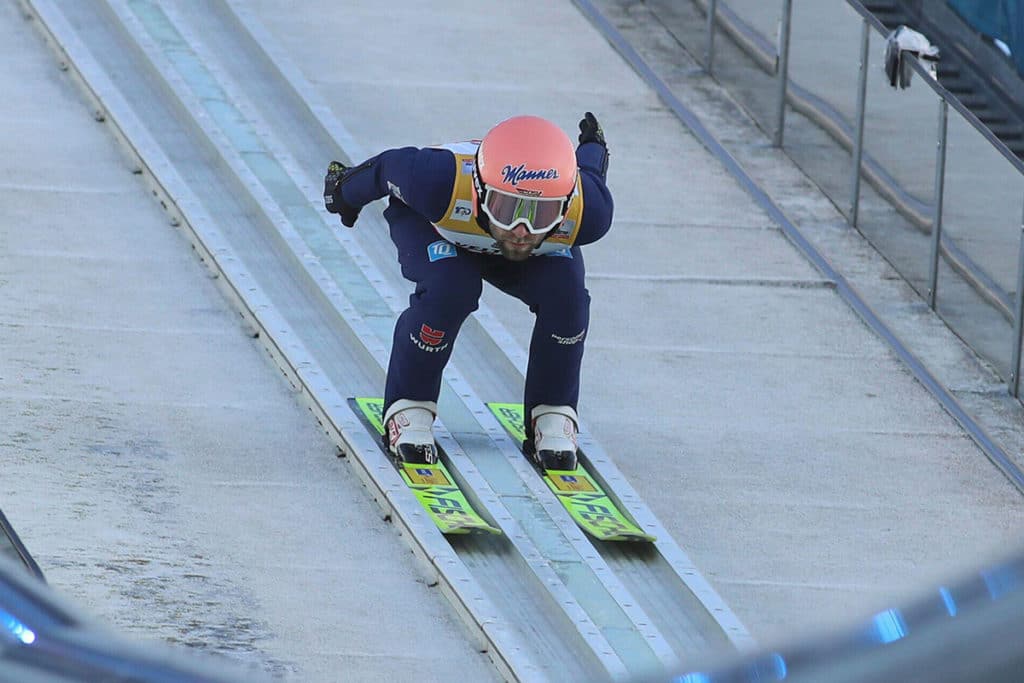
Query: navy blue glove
x=590 y=130
x=332 y=194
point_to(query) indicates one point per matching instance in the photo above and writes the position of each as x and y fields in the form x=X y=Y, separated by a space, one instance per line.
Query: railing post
x=858 y=140
x=709 y=56
x=1018 y=325
x=940 y=183
x=783 y=69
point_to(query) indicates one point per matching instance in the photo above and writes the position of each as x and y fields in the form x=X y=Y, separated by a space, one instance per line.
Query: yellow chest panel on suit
x=459 y=226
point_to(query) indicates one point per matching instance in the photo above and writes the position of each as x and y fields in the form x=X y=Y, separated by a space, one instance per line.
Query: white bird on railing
x=901 y=42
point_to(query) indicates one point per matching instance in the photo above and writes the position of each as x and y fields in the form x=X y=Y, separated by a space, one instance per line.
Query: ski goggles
x=538 y=216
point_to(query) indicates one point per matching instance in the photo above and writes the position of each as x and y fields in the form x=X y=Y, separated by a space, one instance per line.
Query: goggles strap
x=482 y=219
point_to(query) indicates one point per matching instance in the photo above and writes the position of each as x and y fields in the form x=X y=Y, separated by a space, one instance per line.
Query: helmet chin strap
x=484 y=222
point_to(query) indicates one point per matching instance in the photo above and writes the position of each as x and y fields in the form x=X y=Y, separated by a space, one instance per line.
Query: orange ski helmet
x=525 y=173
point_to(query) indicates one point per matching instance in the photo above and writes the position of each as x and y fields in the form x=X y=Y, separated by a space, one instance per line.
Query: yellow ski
x=579 y=492
x=433 y=485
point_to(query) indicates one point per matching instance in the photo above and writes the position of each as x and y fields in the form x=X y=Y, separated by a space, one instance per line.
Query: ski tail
x=432 y=484
x=579 y=492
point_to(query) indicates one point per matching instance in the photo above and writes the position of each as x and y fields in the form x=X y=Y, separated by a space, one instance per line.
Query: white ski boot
x=554 y=437
x=409 y=430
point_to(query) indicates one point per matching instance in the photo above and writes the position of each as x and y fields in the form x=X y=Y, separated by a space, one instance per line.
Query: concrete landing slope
x=810 y=476
x=165 y=479
x=153 y=460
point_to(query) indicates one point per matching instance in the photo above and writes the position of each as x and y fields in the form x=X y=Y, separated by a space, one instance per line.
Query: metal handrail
x=946 y=100
x=924 y=215
x=917 y=211
x=945 y=94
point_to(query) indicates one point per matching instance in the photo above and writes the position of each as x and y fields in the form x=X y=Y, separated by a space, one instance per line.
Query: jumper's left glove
x=332 y=194
x=590 y=130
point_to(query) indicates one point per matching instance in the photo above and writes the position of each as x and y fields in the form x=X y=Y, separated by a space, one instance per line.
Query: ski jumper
x=447 y=254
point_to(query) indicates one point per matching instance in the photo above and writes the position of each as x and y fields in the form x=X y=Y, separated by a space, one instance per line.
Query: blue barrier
x=998 y=19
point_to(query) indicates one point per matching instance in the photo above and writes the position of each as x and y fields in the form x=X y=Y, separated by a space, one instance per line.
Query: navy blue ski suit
x=444 y=251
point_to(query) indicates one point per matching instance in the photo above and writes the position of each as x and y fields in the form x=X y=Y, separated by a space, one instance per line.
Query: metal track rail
x=233 y=143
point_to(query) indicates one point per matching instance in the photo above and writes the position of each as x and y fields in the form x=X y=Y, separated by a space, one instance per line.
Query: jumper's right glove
x=590 y=130
x=332 y=194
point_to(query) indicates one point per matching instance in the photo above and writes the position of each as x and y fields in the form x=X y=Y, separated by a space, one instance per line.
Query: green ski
x=433 y=485
x=578 y=491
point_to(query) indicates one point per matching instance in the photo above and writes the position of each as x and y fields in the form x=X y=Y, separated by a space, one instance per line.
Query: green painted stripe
x=266 y=168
